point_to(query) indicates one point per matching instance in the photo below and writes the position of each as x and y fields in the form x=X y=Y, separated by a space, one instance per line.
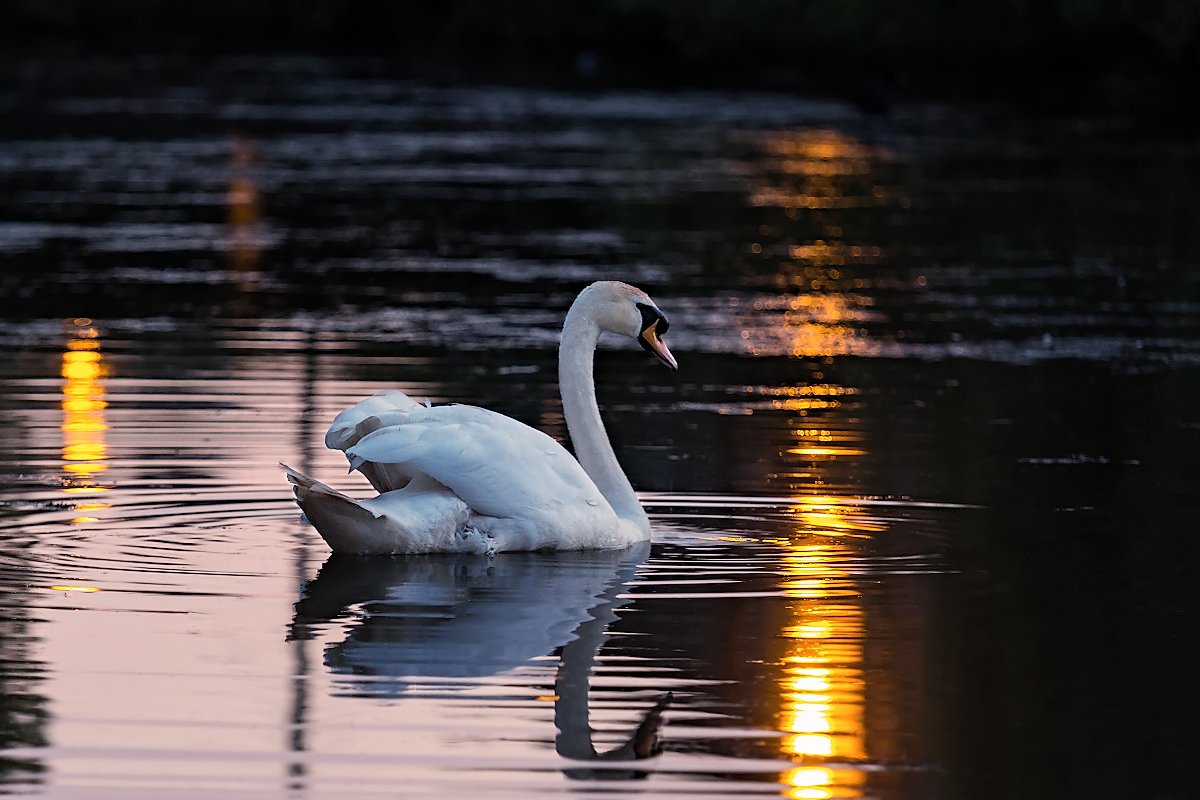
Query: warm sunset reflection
x=823 y=683
x=824 y=305
x=822 y=445
x=84 y=452
x=245 y=210
x=826 y=324
x=821 y=312
x=824 y=159
x=805 y=398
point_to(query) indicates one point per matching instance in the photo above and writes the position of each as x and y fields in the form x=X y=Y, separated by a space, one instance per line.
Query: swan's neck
x=592 y=448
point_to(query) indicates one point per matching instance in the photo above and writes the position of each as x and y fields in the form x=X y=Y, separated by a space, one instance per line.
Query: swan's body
x=464 y=479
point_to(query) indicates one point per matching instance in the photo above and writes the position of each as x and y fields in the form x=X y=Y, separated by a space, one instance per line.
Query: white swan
x=459 y=478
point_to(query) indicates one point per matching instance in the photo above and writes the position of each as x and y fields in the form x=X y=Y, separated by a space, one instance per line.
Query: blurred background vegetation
x=1074 y=55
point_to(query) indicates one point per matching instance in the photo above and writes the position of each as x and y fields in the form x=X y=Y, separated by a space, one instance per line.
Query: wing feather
x=367 y=415
x=500 y=467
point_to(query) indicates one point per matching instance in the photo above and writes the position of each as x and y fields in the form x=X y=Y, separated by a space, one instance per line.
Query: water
x=922 y=489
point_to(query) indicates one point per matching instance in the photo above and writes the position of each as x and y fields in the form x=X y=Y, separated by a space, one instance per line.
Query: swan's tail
x=410 y=520
x=302 y=483
x=335 y=516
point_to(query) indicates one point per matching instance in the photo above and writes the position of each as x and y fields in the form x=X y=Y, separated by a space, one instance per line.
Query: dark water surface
x=923 y=488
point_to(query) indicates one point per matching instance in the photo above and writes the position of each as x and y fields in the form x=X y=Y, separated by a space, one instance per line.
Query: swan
x=463 y=479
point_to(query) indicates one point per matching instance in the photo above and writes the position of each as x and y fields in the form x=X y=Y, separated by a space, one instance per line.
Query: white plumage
x=460 y=478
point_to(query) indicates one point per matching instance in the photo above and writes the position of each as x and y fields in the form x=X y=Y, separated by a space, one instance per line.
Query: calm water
x=923 y=488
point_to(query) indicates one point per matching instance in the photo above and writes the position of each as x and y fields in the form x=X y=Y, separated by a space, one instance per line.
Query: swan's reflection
x=464 y=616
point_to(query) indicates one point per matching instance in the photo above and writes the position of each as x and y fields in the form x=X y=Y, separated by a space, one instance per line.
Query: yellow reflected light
x=810 y=744
x=818 y=452
x=818 y=172
x=810 y=680
x=84 y=450
x=822 y=783
x=809 y=397
x=823 y=686
x=822 y=160
x=830 y=516
x=820 y=312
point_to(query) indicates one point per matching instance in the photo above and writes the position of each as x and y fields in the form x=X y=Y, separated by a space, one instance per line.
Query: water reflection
x=816 y=165
x=821 y=314
x=84 y=428
x=430 y=210
x=823 y=684
x=411 y=620
x=23 y=710
x=572 y=684
x=812 y=253
x=244 y=214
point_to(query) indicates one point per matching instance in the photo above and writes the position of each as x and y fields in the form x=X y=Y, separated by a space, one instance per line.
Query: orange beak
x=651 y=342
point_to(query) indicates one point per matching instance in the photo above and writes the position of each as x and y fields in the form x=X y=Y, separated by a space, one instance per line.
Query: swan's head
x=620 y=308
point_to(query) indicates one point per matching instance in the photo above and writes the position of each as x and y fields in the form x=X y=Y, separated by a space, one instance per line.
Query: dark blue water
x=922 y=488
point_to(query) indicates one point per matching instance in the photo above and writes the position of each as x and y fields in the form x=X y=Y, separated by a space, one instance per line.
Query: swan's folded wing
x=498 y=466
x=366 y=416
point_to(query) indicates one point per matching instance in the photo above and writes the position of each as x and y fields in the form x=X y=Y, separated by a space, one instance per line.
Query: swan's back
x=521 y=485
x=493 y=462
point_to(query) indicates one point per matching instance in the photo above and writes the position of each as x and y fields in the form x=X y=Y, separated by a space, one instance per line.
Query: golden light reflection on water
x=822 y=324
x=822 y=701
x=823 y=686
x=821 y=161
x=825 y=306
x=821 y=312
x=85 y=448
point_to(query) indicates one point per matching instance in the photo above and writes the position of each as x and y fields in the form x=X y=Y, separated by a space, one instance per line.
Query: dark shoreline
x=1037 y=58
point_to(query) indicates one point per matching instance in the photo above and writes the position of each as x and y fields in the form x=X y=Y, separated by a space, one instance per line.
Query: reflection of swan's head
x=620 y=308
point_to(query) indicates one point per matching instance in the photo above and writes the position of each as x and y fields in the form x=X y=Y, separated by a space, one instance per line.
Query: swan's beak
x=654 y=325
x=649 y=340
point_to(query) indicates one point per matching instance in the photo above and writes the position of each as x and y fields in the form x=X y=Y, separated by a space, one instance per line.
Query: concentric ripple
x=206 y=624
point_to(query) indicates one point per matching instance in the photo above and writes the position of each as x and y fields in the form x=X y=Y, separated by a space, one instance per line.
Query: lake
x=922 y=490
